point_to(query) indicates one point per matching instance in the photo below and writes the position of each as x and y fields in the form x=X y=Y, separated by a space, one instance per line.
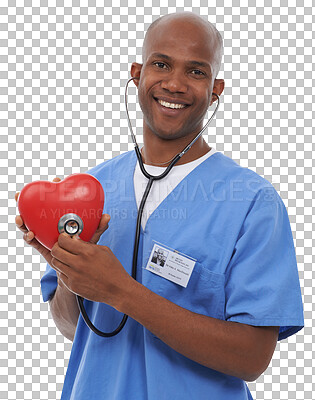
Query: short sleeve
x=262 y=281
x=48 y=283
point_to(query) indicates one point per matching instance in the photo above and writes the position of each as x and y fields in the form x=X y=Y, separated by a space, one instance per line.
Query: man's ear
x=218 y=88
x=135 y=72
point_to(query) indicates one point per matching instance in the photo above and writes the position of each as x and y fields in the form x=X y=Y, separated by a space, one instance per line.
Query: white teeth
x=170 y=105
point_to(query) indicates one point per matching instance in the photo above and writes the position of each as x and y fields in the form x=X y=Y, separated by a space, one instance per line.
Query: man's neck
x=157 y=151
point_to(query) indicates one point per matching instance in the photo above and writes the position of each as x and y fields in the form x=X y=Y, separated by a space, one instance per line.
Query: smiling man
x=177 y=46
x=229 y=288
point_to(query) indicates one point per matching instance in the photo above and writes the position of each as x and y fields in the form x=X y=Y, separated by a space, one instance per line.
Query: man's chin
x=177 y=135
x=173 y=134
x=165 y=131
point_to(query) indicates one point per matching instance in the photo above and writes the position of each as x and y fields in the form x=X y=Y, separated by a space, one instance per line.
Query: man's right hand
x=63 y=304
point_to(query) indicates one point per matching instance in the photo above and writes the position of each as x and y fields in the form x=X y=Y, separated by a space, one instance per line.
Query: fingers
x=104 y=220
x=29 y=238
x=28 y=235
x=61 y=268
x=71 y=245
x=56 y=179
x=20 y=224
x=103 y=225
x=62 y=255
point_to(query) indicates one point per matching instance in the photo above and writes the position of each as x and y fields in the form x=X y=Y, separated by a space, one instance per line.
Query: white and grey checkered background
x=62 y=74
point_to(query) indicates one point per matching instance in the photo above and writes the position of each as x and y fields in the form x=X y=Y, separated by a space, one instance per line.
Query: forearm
x=228 y=347
x=65 y=311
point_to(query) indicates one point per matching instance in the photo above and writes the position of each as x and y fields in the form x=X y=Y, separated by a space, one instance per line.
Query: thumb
x=103 y=225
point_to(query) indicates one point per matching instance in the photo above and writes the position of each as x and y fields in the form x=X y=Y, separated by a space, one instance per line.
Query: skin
x=64 y=307
x=174 y=78
x=93 y=271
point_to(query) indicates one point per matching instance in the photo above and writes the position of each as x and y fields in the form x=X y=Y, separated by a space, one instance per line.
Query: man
x=158 y=258
x=204 y=340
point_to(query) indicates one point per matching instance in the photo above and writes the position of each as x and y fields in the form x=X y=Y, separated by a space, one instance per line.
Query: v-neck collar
x=133 y=164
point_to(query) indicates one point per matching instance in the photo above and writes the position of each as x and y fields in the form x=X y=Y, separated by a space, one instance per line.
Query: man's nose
x=175 y=82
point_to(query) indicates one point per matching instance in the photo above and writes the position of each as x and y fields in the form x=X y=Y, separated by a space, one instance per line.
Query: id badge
x=170 y=264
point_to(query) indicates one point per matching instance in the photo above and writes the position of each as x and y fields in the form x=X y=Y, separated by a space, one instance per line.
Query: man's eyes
x=162 y=65
x=197 y=72
x=159 y=64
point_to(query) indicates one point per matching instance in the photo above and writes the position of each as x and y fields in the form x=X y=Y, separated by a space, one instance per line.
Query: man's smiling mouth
x=171 y=105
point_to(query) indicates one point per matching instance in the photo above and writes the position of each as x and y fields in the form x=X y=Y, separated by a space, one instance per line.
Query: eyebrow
x=192 y=62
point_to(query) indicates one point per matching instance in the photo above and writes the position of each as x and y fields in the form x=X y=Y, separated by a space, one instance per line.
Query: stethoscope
x=151 y=179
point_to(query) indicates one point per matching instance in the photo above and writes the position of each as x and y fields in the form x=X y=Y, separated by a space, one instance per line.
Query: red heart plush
x=42 y=203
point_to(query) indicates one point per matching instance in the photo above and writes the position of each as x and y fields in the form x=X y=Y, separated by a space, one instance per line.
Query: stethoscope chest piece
x=71 y=224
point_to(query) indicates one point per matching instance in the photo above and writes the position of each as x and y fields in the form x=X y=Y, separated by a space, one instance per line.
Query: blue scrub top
x=233 y=222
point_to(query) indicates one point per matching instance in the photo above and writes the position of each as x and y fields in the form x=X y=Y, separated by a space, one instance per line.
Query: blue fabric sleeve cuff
x=287 y=328
x=286 y=331
x=49 y=283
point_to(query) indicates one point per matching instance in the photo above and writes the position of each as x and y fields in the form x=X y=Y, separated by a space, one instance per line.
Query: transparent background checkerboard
x=62 y=74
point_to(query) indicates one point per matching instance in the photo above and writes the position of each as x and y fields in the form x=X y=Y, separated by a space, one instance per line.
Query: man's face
x=176 y=79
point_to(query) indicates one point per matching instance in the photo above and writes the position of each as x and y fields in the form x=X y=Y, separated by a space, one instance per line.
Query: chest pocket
x=204 y=293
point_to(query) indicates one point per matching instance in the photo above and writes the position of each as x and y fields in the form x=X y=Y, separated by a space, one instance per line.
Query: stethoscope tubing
x=151 y=179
